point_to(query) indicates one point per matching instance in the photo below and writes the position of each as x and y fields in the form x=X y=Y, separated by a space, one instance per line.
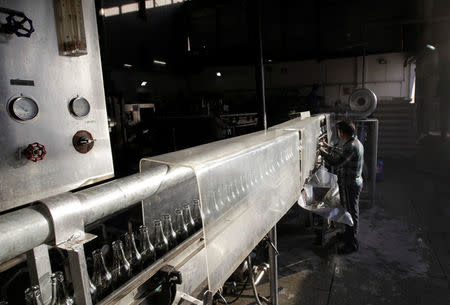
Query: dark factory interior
x=246 y=152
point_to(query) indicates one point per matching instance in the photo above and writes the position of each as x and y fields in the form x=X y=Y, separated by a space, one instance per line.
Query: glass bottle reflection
x=147 y=249
x=93 y=291
x=101 y=278
x=33 y=296
x=59 y=290
x=161 y=243
x=168 y=231
x=132 y=254
x=182 y=230
x=188 y=219
x=121 y=268
x=196 y=214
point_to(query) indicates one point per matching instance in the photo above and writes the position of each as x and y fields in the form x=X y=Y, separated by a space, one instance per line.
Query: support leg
x=80 y=277
x=40 y=271
x=273 y=260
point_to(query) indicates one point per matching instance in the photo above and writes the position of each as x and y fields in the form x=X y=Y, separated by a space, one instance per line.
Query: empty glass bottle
x=101 y=278
x=121 y=268
x=188 y=219
x=33 y=296
x=147 y=249
x=59 y=290
x=196 y=214
x=132 y=254
x=182 y=230
x=169 y=232
x=161 y=243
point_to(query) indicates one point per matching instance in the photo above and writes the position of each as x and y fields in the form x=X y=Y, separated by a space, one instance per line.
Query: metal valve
x=35 y=152
x=83 y=141
x=16 y=23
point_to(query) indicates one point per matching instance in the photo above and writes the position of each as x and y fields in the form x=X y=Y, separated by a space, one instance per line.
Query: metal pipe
x=273 y=261
x=259 y=65
x=27 y=228
x=374 y=158
x=252 y=280
x=23 y=230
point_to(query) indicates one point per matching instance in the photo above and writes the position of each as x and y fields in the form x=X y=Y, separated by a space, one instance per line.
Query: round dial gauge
x=23 y=108
x=79 y=107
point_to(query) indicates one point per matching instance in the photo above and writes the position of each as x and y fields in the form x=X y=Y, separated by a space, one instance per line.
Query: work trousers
x=349 y=194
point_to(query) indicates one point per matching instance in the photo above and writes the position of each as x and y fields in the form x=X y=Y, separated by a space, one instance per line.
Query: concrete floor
x=404 y=255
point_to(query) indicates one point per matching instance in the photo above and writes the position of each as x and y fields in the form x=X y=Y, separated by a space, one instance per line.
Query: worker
x=348 y=160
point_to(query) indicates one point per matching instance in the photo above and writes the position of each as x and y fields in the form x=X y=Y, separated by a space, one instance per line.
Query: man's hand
x=322 y=149
x=324 y=143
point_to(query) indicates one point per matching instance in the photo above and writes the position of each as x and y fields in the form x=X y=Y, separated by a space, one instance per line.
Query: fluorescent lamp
x=219 y=74
x=432 y=48
x=127 y=65
x=143 y=84
x=159 y=62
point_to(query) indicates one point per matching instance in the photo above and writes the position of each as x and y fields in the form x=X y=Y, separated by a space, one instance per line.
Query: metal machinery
x=244 y=185
x=362 y=103
x=52 y=107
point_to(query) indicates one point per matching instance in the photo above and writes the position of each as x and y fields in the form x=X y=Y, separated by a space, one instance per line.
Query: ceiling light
x=159 y=62
x=269 y=60
x=219 y=74
x=143 y=84
x=127 y=65
x=432 y=48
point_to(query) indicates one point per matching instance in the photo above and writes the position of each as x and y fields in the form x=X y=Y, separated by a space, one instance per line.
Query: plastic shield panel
x=246 y=184
x=310 y=131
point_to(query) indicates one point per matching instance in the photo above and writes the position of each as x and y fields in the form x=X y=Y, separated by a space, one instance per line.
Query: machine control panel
x=53 y=120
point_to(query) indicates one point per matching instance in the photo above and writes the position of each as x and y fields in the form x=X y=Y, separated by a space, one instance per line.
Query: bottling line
x=203 y=210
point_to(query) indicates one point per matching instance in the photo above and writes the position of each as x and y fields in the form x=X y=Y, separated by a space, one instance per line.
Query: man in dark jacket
x=348 y=160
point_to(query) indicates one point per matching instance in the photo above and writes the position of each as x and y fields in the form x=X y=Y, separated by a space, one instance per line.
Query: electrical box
x=53 y=124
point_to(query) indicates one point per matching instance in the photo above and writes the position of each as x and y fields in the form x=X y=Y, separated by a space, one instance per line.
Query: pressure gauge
x=79 y=107
x=23 y=108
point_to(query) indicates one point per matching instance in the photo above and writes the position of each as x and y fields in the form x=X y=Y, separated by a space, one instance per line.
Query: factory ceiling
x=189 y=35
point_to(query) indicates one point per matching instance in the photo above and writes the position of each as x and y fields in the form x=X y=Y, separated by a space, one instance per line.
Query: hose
x=252 y=280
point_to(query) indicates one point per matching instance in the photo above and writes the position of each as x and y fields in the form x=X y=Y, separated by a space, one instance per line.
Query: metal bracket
x=69 y=235
x=181 y=295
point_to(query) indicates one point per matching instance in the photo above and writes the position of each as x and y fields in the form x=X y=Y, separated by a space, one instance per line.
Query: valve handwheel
x=35 y=152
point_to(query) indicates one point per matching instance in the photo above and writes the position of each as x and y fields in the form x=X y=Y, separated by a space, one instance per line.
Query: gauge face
x=23 y=108
x=79 y=107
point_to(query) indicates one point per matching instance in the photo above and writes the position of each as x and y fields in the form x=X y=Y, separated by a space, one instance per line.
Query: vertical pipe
x=260 y=93
x=259 y=64
x=273 y=261
x=374 y=148
x=363 y=80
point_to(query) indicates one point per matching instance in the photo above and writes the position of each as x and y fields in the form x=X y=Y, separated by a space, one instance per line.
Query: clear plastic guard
x=310 y=130
x=246 y=184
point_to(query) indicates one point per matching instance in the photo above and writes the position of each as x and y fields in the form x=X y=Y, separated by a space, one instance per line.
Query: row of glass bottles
x=60 y=295
x=233 y=191
x=128 y=260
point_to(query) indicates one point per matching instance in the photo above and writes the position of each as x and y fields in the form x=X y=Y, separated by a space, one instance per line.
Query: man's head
x=346 y=129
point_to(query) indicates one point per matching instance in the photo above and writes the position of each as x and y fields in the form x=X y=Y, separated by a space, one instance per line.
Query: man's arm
x=337 y=157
